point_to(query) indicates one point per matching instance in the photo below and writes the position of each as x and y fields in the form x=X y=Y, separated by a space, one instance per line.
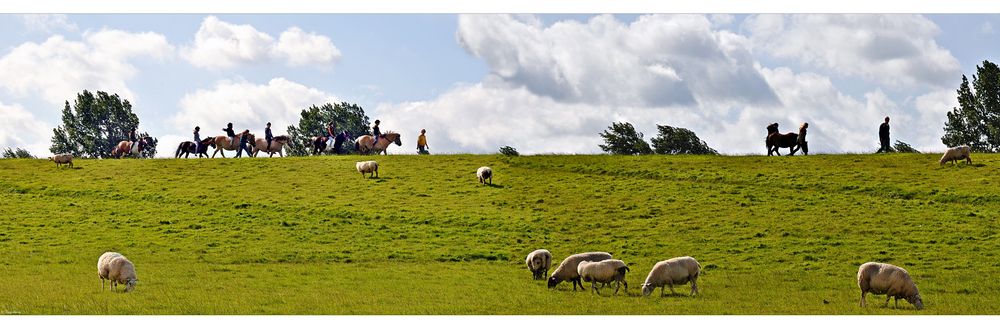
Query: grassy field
x=311 y=236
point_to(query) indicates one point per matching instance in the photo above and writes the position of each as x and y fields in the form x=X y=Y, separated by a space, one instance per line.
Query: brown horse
x=125 y=148
x=776 y=140
x=364 y=143
x=277 y=144
x=186 y=148
x=223 y=143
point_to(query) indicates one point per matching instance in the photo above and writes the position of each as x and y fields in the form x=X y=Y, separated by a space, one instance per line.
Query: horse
x=776 y=140
x=277 y=144
x=188 y=147
x=321 y=144
x=364 y=143
x=223 y=143
x=125 y=148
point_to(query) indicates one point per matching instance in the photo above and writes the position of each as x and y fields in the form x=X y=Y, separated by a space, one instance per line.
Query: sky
x=540 y=83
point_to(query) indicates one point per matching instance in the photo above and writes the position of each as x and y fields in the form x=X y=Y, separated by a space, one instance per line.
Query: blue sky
x=542 y=83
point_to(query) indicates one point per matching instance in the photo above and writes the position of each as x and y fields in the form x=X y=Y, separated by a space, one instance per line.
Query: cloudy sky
x=540 y=83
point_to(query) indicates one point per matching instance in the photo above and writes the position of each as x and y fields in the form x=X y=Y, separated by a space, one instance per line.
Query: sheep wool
x=103 y=267
x=893 y=281
x=957 y=153
x=122 y=271
x=567 y=269
x=538 y=262
x=484 y=173
x=674 y=271
x=605 y=272
x=370 y=167
x=64 y=158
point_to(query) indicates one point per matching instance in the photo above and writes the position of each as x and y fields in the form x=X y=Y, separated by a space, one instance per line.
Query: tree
x=676 y=140
x=94 y=126
x=901 y=146
x=976 y=121
x=622 y=138
x=509 y=151
x=19 y=153
x=314 y=120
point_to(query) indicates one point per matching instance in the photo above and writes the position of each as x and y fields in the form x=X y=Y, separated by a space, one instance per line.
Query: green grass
x=311 y=236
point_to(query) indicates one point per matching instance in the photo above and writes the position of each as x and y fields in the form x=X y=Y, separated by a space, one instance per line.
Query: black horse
x=188 y=147
x=776 y=140
x=320 y=143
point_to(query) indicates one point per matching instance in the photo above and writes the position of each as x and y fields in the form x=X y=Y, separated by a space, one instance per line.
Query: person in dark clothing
x=132 y=139
x=268 y=136
x=197 y=140
x=376 y=132
x=243 y=144
x=883 y=136
x=229 y=132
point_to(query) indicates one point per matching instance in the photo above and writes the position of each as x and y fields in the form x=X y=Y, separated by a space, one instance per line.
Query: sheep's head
x=553 y=281
x=916 y=301
x=647 y=289
x=130 y=284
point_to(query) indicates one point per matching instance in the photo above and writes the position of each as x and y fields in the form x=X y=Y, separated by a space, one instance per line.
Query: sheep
x=674 y=271
x=485 y=173
x=538 y=262
x=121 y=271
x=367 y=167
x=605 y=272
x=64 y=158
x=102 y=265
x=957 y=153
x=888 y=279
x=567 y=269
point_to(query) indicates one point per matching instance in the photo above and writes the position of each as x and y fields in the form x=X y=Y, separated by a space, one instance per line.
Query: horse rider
x=243 y=143
x=268 y=136
x=132 y=139
x=331 y=132
x=229 y=132
x=422 y=142
x=197 y=140
x=376 y=132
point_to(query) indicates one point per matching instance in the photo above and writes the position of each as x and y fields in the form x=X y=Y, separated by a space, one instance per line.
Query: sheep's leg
x=593 y=287
x=661 y=291
x=862 y=298
x=887 y=298
x=694 y=287
x=618 y=286
x=672 y=288
x=895 y=304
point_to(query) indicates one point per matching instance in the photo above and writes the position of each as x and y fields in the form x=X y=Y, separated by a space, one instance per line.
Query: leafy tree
x=314 y=120
x=509 y=151
x=622 y=138
x=676 y=140
x=94 y=126
x=19 y=153
x=901 y=146
x=976 y=121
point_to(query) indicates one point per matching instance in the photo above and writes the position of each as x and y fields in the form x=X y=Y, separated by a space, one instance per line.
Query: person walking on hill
x=883 y=137
x=243 y=143
x=422 y=142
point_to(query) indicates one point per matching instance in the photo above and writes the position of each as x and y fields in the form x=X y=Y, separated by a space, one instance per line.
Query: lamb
x=485 y=173
x=64 y=158
x=367 y=167
x=605 y=272
x=957 y=153
x=674 y=271
x=567 y=269
x=894 y=281
x=103 y=269
x=538 y=263
x=121 y=271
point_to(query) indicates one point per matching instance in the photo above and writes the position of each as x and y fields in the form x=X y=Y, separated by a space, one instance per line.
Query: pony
x=186 y=148
x=321 y=144
x=364 y=143
x=776 y=140
x=277 y=144
x=125 y=148
x=223 y=143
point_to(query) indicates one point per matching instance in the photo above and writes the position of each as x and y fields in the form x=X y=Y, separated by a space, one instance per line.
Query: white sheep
x=567 y=269
x=538 y=262
x=64 y=158
x=957 y=153
x=674 y=271
x=485 y=173
x=103 y=269
x=888 y=279
x=367 y=167
x=605 y=272
x=121 y=271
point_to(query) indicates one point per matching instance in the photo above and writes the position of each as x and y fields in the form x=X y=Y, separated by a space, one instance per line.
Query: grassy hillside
x=311 y=236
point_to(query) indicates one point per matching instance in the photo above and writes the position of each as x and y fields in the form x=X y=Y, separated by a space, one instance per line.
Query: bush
x=901 y=146
x=19 y=153
x=509 y=151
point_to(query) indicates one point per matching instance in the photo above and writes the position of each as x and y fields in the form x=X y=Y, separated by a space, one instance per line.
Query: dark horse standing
x=186 y=148
x=776 y=140
x=321 y=143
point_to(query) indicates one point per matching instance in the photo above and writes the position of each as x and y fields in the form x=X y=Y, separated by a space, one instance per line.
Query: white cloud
x=894 y=50
x=47 y=22
x=23 y=130
x=58 y=68
x=222 y=45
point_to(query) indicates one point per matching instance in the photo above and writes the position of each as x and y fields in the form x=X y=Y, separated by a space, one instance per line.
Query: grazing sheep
x=121 y=271
x=64 y=158
x=674 y=271
x=538 y=263
x=957 y=153
x=485 y=173
x=888 y=279
x=605 y=272
x=567 y=269
x=103 y=269
x=367 y=167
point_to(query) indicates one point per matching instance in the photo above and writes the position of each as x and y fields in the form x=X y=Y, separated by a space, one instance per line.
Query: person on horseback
x=229 y=132
x=422 y=142
x=132 y=139
x=268 y=136
x=376 y=133
x=197 y=140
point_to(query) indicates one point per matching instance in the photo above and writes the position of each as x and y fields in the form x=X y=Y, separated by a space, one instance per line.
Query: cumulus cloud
x=894 y=50
x=47 y=22
x=223 y=45
x=23 y=130
x=58 y=68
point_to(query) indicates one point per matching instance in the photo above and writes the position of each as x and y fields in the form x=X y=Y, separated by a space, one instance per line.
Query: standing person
x=883 y=136
x=801 y=141
x=268 y=136
x=229 y=132
x=243 y=144
x=197 y=141
x=422 y=142
x=376 y=132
